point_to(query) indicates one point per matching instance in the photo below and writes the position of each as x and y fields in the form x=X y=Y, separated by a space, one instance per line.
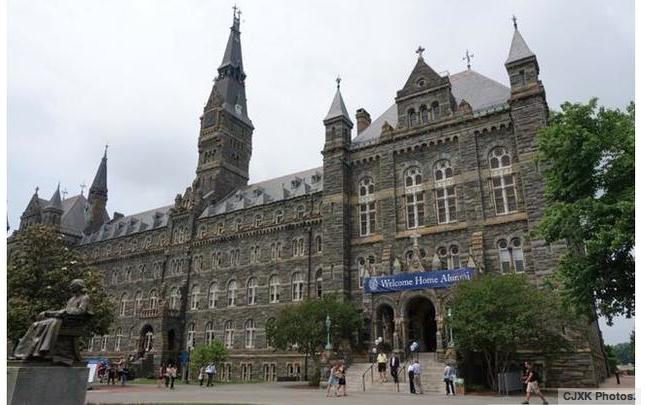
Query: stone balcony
x=161 y=310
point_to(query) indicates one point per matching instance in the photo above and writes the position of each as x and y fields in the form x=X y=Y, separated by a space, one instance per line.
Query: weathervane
x=419 y=51
x=467 y=58
x=64 y=192
x=236 y=12
x=83 y=185
x=514 y=21
x=338 y=79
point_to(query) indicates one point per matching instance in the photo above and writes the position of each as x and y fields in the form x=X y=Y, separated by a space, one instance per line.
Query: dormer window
x=295 y=183
x=315 y=178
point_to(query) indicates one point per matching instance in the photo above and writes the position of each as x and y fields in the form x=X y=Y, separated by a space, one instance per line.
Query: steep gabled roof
x=519 y=49
x=337 y=108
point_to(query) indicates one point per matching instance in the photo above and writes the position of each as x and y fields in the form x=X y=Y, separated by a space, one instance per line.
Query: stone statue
x=54 y=337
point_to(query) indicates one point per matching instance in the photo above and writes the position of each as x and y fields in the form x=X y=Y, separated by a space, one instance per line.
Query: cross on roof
x=514 y=21
x=83 y=186
x=236 y=12
x=64 y=192
x=467 y=58
x=37 y=190
x=419 y=51
x=338 y=79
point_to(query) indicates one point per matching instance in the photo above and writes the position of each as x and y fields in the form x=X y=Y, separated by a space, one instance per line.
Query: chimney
x=363 y=119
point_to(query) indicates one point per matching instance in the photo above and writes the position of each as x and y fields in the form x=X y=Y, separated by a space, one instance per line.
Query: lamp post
x=450 y=343
x=328 y=324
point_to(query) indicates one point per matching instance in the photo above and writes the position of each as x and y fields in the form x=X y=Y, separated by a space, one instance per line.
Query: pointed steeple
x=229 y=84
x=99 y=185
x=338 y=108
x=519 y=49
x=33 y=213
x=55 y=201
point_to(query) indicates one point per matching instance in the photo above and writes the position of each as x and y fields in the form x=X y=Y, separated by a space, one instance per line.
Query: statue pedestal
x=44 y=383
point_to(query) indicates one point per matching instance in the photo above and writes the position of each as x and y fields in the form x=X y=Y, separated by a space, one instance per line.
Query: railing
x=402 y=370
x=371 y=370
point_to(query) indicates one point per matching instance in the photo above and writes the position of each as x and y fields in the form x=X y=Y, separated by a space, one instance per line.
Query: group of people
x=337 y=382
x=207 y=372
x=108 y=372
x=167 y=375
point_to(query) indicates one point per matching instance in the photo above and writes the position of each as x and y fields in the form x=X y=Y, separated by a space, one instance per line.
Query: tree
x=39 y=270
x=612 y=360
x=204 y=354
x=302 y=326
x=497 y=315
x=624 y=354
x=587 y=158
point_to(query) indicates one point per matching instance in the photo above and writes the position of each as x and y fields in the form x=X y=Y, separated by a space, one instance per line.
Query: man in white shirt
x=411 y=378
x=418 y=388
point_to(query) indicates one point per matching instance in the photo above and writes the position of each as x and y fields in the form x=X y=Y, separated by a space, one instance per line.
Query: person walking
x=173 y=376
x=449 y=378
x=167 y=374
x=333 y=381
x=533 y=384
x=162 y=375
x=341 y=380
x=418 y=388
x=381 y=360
x=111 y=374
x=124 y=372
x=395 y=363
x=411 y=378
x=200 y=376
x=210 y=372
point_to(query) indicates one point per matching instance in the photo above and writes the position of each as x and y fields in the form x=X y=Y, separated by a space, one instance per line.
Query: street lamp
x=450 y=343
x=328 y=324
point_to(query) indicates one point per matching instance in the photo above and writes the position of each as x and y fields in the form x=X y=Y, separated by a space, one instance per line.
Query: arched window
x=504 y=255
x=301 y=247
x=412 y=117
x=117 y=340
x=446 y=196
x=274 y=289
x=194 y=298
x=268 y=326
x=367 y=206
x=300 y=212
x=278 y=216
x=319 y=283
x=210 y=333
x=414 y=198
x=174 y=298
x=455 y=260
x=424 y=114
x=197 y=263
x=297 y=287
x=503 y=181
x=231 y=291
x=294 y=247
x=138 y=299
x=435 y=111
x=123 y=304
x=154 y=301
x=249 y=334
x=251 y=287
x=212 y=295
x=517 y=254
x=229 y=334
x=190 y=338
x=318 y=244
x=104 y=343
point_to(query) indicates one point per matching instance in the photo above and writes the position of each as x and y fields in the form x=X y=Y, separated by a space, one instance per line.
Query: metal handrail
x=371 y=370
x=402 y=370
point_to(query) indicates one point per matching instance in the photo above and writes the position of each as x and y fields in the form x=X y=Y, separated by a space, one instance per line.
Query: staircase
x=431 y=377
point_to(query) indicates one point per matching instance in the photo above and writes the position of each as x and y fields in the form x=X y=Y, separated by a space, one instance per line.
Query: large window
x=194 y=298
x=138 y=300
x=297 y=287
x=190 y=337
x=517 y=254
x=455 y=260
x=366 y=206
x=504 y=256
x=511 y=256
x=210 y=333
x=212 y=295
x=154 y=301
x=229 y=334
x=274 y=289
x=435 y=111
x=123 y=304
x=414 y=197
x=249 y=334
x=446 y=197
x=231 y=291
x=117 y=340
x=502 y=181
x=174 y=298
x=251 y=288
x=319 y=283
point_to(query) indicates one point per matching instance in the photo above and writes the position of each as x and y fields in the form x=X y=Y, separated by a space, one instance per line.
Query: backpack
x=536 y=376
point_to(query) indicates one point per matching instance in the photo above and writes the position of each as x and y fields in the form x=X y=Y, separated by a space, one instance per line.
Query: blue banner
x=416 y=281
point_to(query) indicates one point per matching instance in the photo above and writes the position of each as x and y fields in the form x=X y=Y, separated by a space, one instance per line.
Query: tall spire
x=338 y=108
x=519 y=50
x=55 y=201
x=99 y=185
x=229 y=84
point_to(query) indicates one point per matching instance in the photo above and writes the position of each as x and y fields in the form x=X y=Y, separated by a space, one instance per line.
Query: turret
x=33 y=213
x=53 y=212
x=96 y=214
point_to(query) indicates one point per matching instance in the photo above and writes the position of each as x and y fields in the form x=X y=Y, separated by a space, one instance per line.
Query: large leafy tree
x=587 y=156
x=497 y=315
x=302 y=327
x=215 y=353
x=40 y=268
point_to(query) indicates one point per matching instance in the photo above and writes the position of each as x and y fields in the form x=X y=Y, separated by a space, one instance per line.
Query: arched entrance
x=385 y=324
x=145 y=340
x=422 y=327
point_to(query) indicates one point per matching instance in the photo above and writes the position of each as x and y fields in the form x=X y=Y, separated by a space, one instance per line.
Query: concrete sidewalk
x=274 y=394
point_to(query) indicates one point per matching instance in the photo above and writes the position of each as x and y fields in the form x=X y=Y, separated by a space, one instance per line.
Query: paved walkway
x=273 y=394
x=626 y=381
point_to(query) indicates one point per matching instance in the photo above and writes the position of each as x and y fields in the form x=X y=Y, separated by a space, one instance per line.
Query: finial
x=36 y=191
x=419 y=51
x=338 y=79
x=467 y=58
x=236 y=12
x=105 y=152
x=514 y=22
x=83 y=185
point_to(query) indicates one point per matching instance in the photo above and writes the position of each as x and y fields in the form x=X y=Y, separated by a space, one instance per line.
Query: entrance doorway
x=422 y=326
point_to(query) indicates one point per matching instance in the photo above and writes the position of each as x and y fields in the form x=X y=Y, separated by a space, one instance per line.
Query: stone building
x=443 y=179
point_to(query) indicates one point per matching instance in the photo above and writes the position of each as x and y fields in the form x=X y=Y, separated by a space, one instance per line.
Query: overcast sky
x=136 y=75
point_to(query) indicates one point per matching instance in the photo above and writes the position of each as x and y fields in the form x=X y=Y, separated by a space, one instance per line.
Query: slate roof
x=131 y=224
x=337 y=108
x=519 y=50
x=73 y=218
x=268 y=191
x=481 y=92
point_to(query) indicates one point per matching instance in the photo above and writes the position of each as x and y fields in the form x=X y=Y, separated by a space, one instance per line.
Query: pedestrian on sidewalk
x=124 y=372
x=112 y=374
x=533 y=384
x=332 y=383
x=200 y=376
x=395 y=363
x=449 y=375
x=381 y=360
x=342 y=383
x=161 y=377
x=418 y=388
x=210 y=372
x=173 y=376
x=411 y=378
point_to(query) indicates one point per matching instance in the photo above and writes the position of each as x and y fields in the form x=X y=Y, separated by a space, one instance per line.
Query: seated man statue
x=54 y=336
